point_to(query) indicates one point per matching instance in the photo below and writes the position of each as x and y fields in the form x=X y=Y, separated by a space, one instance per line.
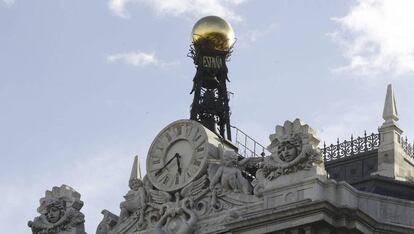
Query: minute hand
x=169 y=161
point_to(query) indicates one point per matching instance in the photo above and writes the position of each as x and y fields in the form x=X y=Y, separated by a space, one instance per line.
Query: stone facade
x=316 y=206
x=292 y=190
x=292 y=194
x=383 y=167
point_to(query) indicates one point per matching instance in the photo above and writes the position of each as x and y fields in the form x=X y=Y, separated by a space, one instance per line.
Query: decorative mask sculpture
x=59 y=212
x=55 y=209
x=293 y=148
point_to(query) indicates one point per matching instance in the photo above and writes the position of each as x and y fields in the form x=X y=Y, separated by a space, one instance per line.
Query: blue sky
x=86 y=85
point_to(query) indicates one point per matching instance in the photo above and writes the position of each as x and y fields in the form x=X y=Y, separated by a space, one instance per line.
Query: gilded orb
x=213 y=32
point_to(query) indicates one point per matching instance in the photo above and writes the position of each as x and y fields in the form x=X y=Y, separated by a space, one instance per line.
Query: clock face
x=177 y=155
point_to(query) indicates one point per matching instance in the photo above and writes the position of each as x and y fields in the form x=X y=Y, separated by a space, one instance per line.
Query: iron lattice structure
x=210 y=105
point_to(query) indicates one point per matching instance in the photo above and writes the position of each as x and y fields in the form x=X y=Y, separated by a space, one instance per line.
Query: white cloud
x=139 y=59
x=252 y=36
x=377 y=36
x=118 y=7
x=192 y=8
x=9 y=2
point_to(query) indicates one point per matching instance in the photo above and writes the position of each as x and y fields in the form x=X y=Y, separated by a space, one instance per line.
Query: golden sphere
x=214 y=32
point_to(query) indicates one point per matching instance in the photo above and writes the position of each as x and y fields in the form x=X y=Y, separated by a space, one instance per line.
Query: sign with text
x=212 y=62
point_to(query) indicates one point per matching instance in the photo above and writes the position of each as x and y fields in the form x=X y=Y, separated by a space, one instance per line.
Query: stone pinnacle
x=390 y=114
x=136 y=169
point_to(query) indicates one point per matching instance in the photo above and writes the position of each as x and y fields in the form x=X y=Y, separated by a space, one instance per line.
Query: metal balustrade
x=407 y=147
x=351 y=147
x=248 y=147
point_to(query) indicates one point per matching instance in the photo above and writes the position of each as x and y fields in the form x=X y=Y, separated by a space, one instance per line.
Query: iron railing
x=247 y=146
x=407 y=147
x=350 y=148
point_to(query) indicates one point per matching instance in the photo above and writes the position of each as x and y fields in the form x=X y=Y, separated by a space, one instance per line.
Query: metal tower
x=212 y=42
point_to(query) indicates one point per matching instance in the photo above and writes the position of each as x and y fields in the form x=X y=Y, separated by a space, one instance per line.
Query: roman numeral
x=156 y=153
x=178 y=130
x=193 y=169
x=159 y=148
x=177 y=179
x=196 y=162
x=162 y=143
x=162 y=175
x=188 y=130
x=197 y=137
x=156 y=161
x=166 y=179
x=200 y=149
x=167 y=135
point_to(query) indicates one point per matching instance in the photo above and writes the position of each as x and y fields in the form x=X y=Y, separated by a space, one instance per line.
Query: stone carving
x=159 y=198
x=293 y=148
x=177 y=220
x=136 y=198
x=177 y=217
x=228 y=208
x=227 y=177
x=135 y=202
x=59 y=212
x=179 y=212
x=193 y=191
x=135 y=214
x=108 y=222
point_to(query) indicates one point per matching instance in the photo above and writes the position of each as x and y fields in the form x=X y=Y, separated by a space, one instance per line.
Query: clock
x=179 y=154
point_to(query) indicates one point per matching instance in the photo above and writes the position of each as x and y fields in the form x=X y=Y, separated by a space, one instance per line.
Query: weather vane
x=212 y=43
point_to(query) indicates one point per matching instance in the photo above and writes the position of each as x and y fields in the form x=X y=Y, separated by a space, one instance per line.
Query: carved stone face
x=135 y=184
x=229 y=159
x=288 y=151
x=53 y=215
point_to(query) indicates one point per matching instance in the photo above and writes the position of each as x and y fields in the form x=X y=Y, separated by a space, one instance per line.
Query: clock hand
x=162 y=168
x=178 y=163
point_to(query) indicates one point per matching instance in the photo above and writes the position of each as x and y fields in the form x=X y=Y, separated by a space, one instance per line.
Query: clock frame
x=179 y=154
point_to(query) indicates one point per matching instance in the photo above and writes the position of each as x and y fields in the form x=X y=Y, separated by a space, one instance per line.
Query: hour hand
x=178 y=163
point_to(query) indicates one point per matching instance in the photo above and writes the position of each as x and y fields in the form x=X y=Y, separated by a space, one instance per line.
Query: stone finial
x=390 y=114
x=136 y=169
x=391 y=155
x=59 y=212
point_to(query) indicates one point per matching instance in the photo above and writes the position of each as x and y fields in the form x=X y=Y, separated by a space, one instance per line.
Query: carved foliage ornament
x=59 y=211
